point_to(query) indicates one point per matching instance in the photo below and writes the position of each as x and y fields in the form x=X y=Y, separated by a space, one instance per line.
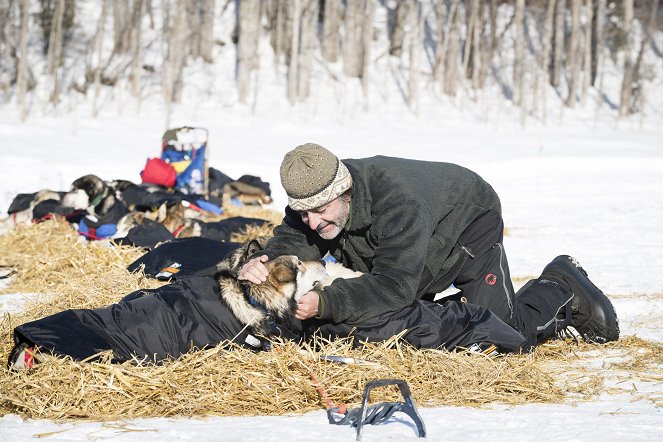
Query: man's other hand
x=254 y=270
x=307 y=307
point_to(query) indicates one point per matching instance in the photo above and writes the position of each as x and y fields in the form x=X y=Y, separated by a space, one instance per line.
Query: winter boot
x=593 y=315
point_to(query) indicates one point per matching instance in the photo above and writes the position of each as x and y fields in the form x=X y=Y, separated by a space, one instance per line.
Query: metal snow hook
x=380 y=412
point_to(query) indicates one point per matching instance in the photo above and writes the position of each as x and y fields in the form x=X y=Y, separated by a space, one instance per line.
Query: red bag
x=157 y=171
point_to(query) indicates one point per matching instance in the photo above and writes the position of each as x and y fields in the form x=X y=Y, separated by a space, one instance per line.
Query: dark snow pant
x=427 y=324
x=539 y=310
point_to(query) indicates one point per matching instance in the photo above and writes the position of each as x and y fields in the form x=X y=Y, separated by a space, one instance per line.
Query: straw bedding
x=49 y=258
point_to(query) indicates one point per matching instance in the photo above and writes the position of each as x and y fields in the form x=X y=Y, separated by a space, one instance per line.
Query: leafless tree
x=293 y=65
x=366 y=43
x=55 y=42
x=330 y=40
x=416 y=21
x=573 y=55
x=136 y=49
x=489 y=40
x=587 y=58
x=175 y=57
x=519 y=62
x=470 y=42
x=545 y=59
x=279 y=26
x=308 y=40
x=558 y=43
x=637 y=96
x=22 y=71
x=95 y=62
x=452 y=51
x=397 y=32
x=352 y=38
x=247 y=45
x=121 y=24
x=627 y=80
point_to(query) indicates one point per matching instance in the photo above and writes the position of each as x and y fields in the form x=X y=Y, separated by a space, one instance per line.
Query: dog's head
x=288 y=280
x=76 y=198
x=95 y=188
x=180 y=218
x=291 y=277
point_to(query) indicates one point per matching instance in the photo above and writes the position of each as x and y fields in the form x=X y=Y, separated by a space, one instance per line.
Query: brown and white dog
x=289 y=279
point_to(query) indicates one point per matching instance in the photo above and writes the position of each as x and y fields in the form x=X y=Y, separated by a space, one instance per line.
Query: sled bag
x=184 y=257
x=157 y=171
x=223 y=230
x=153 y=324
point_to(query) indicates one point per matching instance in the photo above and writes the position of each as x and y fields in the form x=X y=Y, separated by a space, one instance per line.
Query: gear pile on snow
x=179 y=197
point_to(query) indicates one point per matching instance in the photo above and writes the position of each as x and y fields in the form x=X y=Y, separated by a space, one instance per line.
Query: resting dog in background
x=26 y=216
x=289 y=279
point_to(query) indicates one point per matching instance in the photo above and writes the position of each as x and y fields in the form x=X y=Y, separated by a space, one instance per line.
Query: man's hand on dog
x=307 y=307
x=254 y=270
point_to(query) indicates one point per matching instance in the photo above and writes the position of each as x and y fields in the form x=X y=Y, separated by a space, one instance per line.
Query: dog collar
x=276 y=328
x=254 y=302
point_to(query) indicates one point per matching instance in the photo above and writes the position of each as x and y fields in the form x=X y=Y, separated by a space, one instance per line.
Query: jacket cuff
x=324 y=305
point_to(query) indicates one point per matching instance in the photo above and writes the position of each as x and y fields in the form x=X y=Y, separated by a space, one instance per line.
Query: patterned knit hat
x=312 y=176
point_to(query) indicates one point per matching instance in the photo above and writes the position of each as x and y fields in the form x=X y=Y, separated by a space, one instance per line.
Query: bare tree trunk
x=308 y=34
x=397 y=33
x=175 y=56
x=416 y=42
x=469 y=35
x=352 y=40
x=150 y=12
x=194 y=12
x=293 y=74
x=627 y=81
x=600 y=43
x=98 y=46
x=207 y=30
x=136 y=50
x=518 y=64
x=330 y=40
x=488 y=49
x=278 y=19
x=440 y=41
x=558 y=46
x=54 y=59
x=247 y=46
x=120 y=25
x=22 y=71
x=587 y=62
x=452 y=56
x=574 y=54
x=545 y=59
x=637 y=95
x=477 y=47
x=366 y=41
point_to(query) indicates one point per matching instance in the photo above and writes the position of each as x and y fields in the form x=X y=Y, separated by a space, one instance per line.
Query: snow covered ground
x=593 y=192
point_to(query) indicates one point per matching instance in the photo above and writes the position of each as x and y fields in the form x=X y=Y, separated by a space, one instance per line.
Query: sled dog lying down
x=289 y=279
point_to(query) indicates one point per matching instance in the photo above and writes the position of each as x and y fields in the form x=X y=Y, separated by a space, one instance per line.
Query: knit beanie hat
x=312 y=176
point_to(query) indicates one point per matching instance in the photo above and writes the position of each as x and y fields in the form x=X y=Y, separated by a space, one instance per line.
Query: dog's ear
x=162 y=212
x=253 y=246
x=282 y=274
